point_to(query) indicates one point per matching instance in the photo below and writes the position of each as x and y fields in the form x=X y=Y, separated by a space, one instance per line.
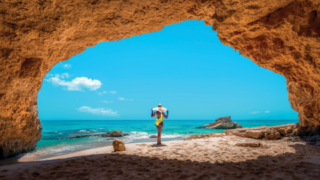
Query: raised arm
x=153 y=114
x=166 y=116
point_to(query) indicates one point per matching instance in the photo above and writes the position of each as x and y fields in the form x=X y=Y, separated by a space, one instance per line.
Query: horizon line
x=165 y=120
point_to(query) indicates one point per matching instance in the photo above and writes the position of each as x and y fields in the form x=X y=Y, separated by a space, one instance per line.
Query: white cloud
x=77 y=84
x=104 y=92
x=255 y=112
x=267 y=111
x=107 y=112
x=64 y=75
x=67 y=66
x=124 y=99
x=107 y=101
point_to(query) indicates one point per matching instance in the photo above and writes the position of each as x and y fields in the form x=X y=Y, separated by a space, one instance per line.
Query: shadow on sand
x=158 y=145
x=123 y=166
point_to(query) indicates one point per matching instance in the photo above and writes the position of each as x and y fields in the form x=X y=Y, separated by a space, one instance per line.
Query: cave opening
x=118 y=81
x=282 y=36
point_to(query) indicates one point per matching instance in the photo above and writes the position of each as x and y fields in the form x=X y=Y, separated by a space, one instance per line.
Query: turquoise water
x=55 y=132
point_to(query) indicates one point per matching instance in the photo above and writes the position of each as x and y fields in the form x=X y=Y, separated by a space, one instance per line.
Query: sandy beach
x=211 y=158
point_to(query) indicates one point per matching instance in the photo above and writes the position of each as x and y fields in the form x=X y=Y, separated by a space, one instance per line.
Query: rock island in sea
x=221 y=123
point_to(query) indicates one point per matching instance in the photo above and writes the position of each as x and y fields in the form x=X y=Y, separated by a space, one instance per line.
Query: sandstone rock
x=282 y=131
x=221 y=123
x=153 y=136
x=282 y=36
x=118 y=145
x=270 y=133
x=288 y=130
x=254 y=134
x=248 y=144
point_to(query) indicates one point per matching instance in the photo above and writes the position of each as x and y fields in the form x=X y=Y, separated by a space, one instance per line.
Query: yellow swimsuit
x=159 y=120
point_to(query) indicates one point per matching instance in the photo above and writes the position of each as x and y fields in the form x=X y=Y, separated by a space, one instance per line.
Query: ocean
x=55 y=133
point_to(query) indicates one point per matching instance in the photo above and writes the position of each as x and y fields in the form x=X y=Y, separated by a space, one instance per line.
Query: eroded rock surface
x=264 y=132
x=280 y=35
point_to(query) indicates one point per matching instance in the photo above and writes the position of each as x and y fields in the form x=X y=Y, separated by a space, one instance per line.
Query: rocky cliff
x=280 y=35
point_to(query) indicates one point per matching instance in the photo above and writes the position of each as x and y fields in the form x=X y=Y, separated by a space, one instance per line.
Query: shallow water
x=55 y=132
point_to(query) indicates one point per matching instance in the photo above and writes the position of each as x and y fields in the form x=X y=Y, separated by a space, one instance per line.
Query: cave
x=279 y=35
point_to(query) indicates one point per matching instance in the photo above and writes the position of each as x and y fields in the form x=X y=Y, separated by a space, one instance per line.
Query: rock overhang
x=280 y=35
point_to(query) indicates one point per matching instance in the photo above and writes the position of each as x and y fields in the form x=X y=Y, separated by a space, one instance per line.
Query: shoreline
x=26 y=157
x=35 y=158
x=16 y=162
x=205 y=158
x=56 y=141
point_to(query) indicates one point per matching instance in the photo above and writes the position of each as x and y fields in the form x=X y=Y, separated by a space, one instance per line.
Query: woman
x=159 y=122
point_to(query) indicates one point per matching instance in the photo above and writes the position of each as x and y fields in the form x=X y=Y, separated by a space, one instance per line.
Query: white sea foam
x=140 y=135
x=56 y=150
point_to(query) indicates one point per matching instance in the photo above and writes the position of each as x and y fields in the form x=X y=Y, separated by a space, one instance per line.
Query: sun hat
x=160 y=109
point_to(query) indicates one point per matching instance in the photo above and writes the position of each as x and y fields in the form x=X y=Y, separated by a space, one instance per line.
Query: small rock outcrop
x=153 y=136
x=113 y=134
x=78 y=136
x=118 y=145
x=221 y=123
x=264 y=132
x=108 y=134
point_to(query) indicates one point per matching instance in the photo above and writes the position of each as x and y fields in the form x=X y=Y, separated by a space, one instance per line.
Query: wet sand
x=211 y=158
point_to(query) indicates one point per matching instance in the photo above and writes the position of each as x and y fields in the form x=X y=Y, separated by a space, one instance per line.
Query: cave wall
x=280 y=35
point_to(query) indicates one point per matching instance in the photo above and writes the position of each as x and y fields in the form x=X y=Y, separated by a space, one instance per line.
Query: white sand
x=214 y=158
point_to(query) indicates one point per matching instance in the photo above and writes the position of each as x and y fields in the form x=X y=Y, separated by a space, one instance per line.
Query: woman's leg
x=159 y=132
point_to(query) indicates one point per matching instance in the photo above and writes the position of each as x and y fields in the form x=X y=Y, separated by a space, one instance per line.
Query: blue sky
x=185 y=67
